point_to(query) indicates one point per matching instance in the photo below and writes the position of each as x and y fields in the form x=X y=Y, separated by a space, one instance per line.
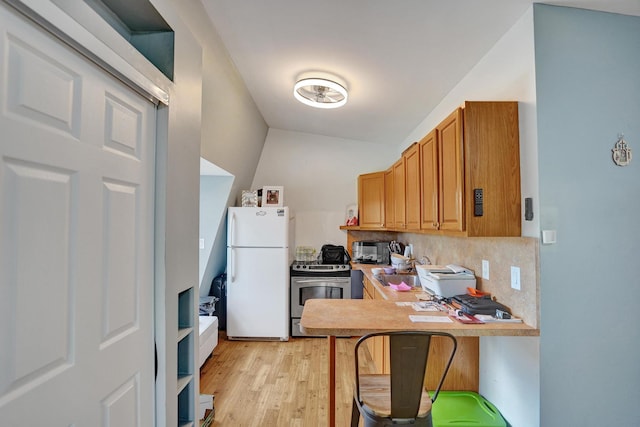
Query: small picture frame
x=272 y=196
x=351 y=217
x=249 y=198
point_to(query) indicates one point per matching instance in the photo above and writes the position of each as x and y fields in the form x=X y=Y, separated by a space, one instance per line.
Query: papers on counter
x=425 y=306
x=433 y=319
x=488 y=318
x=424 y=296
x=420 y=306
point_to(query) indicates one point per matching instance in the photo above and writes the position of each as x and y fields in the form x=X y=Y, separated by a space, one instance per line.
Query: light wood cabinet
x=442 y=176
x=411 y=158
x=492 y=163
x=399 y=192
x=376 y=345
x=476 y=148
x=435 y=185
x=368 y=293
x=389 y=207
x=451 y=185
x=380 y=347
x=429 y=181
x=371 y=200
x=367 y=288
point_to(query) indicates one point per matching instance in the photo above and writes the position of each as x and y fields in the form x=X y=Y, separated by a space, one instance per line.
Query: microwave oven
x=370 y=252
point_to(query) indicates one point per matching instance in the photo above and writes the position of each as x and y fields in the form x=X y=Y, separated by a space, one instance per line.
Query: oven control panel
x=316 y=269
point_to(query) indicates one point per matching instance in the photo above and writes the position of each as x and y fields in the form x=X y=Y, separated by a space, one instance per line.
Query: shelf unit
x=185 y=346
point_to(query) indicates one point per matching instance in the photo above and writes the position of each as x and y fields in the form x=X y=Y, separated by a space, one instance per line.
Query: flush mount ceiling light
x=320 y=93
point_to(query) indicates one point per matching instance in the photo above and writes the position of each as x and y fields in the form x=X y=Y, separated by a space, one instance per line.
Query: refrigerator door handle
x=233 y=264
x=232 y=227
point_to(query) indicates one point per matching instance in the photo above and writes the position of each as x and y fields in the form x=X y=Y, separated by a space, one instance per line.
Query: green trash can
x=465 y=409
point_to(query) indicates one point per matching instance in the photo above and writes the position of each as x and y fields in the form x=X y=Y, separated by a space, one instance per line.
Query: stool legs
x=355 y=414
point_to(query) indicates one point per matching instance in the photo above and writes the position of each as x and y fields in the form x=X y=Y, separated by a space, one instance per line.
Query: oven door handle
x=332 y=279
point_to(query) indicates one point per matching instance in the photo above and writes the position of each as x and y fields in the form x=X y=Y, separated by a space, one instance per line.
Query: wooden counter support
x=332 y=379
x=463 y=373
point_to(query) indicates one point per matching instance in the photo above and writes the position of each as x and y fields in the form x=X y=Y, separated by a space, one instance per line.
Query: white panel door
x=76 y=248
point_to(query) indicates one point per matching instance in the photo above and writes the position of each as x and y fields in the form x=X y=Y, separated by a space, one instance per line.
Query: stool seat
x=398 y=397
x=375 y=393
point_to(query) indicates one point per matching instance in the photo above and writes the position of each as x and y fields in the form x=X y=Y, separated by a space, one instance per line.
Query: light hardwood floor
x=278 y=383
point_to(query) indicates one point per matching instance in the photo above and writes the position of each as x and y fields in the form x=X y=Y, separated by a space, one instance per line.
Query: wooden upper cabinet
x=389 y=208
x=451 y=184
x=429 y=170
x=371 y=200
x=399 y=194
x=442 y=176
x=476 y=148
x=412 y=186
x=492 y=164
x=434 y=185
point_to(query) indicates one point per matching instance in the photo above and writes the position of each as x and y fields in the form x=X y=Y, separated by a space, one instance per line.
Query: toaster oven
x=370 y=252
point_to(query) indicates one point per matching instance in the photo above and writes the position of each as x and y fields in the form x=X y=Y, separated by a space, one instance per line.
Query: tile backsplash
x=501 y=252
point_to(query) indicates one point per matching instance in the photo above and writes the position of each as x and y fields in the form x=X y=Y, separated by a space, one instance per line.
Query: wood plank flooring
x=266 y=384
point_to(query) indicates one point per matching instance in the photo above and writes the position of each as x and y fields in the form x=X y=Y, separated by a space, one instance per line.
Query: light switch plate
x=548 y=237
x=485 y=269
x=515 y=278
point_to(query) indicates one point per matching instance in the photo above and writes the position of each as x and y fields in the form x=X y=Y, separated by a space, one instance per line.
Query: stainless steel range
x=311 y=280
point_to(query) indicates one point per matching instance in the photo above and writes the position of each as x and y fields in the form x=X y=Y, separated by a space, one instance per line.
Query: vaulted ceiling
x=398 y=59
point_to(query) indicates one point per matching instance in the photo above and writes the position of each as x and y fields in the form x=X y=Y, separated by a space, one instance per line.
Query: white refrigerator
x=258 y=273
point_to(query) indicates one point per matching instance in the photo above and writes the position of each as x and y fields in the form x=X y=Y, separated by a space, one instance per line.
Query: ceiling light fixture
x=320 y=93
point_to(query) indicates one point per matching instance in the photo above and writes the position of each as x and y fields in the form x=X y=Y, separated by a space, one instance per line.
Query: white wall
x=233 y=130
x=215 y=183
x=319 y=175
x=509 y=367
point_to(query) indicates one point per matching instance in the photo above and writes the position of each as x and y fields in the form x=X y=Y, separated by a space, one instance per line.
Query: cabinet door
x=412 y=186
x=371 y=200
x=492 y=162
x=451 y=185
x=380 y=347
x=399 y=194
x=429 y=181
x=367 y=294
x=389 y=217
x=367 y=288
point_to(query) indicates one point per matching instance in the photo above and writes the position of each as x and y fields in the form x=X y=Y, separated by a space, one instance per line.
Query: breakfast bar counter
x=357 y=317
x=335 y=317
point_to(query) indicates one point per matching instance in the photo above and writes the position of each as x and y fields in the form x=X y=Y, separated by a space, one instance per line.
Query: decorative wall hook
x=621 y=153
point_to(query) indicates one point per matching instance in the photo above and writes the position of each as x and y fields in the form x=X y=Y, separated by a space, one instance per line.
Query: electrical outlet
x=515 y=278
x=485 y=269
